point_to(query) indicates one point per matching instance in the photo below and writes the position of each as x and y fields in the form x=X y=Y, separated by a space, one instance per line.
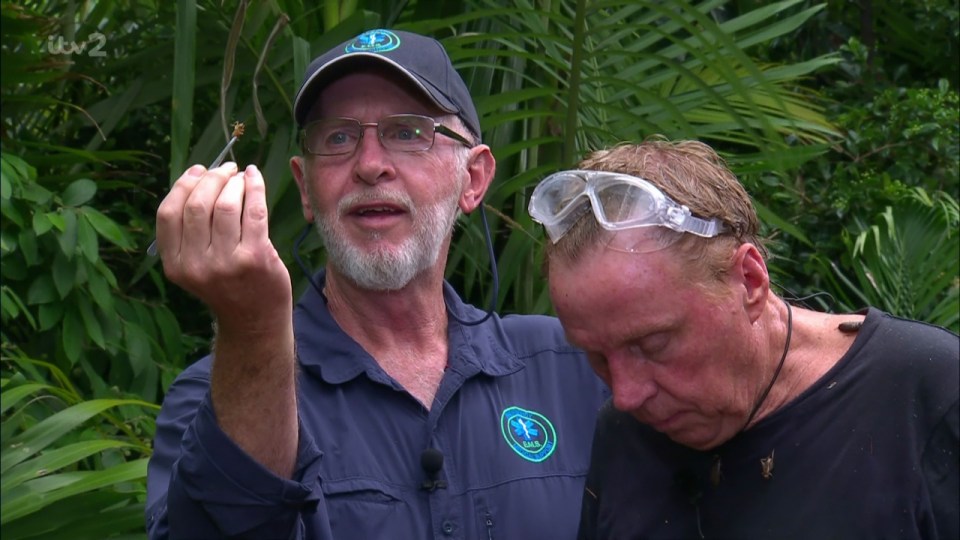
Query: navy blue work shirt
x=513 y=419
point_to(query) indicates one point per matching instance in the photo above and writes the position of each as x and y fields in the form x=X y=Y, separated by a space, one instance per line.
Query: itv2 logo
x=57 y=45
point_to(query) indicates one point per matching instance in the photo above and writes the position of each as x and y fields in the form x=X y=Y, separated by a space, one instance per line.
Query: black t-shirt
x=869 y=451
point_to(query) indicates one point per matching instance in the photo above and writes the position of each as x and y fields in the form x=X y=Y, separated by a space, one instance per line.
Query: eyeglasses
x=400 y=132
x=619 y=202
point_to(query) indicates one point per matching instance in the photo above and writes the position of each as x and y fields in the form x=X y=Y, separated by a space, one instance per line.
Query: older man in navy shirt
x=382 y=405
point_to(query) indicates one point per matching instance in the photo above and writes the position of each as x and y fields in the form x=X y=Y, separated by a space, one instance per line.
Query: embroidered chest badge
x=528 y=433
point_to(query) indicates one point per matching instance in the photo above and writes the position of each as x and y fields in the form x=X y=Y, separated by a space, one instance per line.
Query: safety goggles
x=619 y=202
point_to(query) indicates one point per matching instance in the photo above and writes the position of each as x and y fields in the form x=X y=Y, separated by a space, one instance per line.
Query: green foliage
x=72 y=468
x=67 y=229
x=900 y=139
x=59 y=297
x=75 y=340
x=896 y=106
x=905 y=42
x=906 y=263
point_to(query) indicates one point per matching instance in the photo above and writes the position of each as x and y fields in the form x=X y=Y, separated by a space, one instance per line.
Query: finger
x=226 y=217
x=170 y=211
x=198 y=210
x=255 y=216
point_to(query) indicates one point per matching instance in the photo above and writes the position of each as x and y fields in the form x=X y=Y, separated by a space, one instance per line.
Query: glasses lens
x=407 y=133
x=332 y=136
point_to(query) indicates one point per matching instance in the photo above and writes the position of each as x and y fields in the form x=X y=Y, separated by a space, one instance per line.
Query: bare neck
x=405 y=331
x=816 y=345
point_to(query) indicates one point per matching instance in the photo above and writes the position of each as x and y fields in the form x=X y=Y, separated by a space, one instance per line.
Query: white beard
x=388 y=268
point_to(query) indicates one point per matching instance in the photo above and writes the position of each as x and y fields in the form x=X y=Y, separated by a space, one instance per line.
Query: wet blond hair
x=692 y=174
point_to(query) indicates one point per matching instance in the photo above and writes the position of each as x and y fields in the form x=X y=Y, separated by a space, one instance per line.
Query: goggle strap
x=703 y=227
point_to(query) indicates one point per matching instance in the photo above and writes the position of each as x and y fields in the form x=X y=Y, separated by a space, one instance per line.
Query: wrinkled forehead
x=611 y=291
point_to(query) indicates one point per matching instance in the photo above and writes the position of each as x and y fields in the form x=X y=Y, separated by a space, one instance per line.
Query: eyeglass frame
x=671 y=214
x=437 y=128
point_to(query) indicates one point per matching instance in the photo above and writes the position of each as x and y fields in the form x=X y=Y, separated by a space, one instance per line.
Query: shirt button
x=448 y=528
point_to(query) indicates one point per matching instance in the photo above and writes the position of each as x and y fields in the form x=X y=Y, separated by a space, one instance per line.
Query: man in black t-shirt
x=735 y=414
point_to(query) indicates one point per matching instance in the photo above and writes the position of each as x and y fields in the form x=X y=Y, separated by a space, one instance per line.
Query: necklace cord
x=776 y=374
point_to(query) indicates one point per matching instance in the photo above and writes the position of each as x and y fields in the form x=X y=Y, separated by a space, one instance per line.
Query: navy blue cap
x=421 y=59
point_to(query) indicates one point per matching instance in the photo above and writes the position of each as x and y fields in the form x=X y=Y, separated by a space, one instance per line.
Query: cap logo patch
x=528 y=433
x=377 y=41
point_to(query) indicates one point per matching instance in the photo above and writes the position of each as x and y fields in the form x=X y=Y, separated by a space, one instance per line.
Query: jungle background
x=841 y=119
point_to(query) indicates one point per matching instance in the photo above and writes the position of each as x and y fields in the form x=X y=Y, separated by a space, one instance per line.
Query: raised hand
x=213 y=239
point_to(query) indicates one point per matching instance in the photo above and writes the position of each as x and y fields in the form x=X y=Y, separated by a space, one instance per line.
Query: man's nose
x=631 y=382
x=373 y=159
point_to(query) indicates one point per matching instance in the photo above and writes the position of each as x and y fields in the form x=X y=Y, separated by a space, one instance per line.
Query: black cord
x=493 y=270
x=786 y=349
x=791 y=296
x=303 y=267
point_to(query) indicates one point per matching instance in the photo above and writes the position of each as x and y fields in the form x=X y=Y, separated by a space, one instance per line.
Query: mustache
x=401 y=200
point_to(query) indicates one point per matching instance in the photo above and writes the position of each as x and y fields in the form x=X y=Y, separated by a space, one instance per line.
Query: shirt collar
x=325 y=349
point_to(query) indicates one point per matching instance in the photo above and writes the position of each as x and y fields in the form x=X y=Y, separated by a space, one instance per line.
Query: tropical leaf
x=58 y=447
x=906 y=263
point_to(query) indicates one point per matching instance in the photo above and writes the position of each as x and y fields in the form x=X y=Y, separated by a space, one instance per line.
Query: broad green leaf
x=12 y=396
x=56 y=219
x=35 y=439
x=87 y=238
x=99 y=290
x=12 y=213
x=79 y=192
x=172 y=336
x=47 y=490
x=68 y=238
x=90 y=321
x=35 y=193
x=8 y=241
x=28 y=247
x=54 y=460
x=6 y=185
x=42 y=290
x=106 y=227
x=73 y=336
x=17 y=170
x=64 y=275
x=50 y=314
x=184 y=73
x=41 y=223
x=138 y=347
x=70 y=518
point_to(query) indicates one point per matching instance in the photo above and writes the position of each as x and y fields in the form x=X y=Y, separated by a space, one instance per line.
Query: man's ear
x=749 y=268
x=298 y=167
x=481 y=168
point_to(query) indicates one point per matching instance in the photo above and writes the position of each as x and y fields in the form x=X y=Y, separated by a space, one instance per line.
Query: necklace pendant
x=766 y=466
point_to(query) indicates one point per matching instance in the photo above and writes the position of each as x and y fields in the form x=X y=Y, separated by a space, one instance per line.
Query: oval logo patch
x=528 y=433
x=377 y=41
